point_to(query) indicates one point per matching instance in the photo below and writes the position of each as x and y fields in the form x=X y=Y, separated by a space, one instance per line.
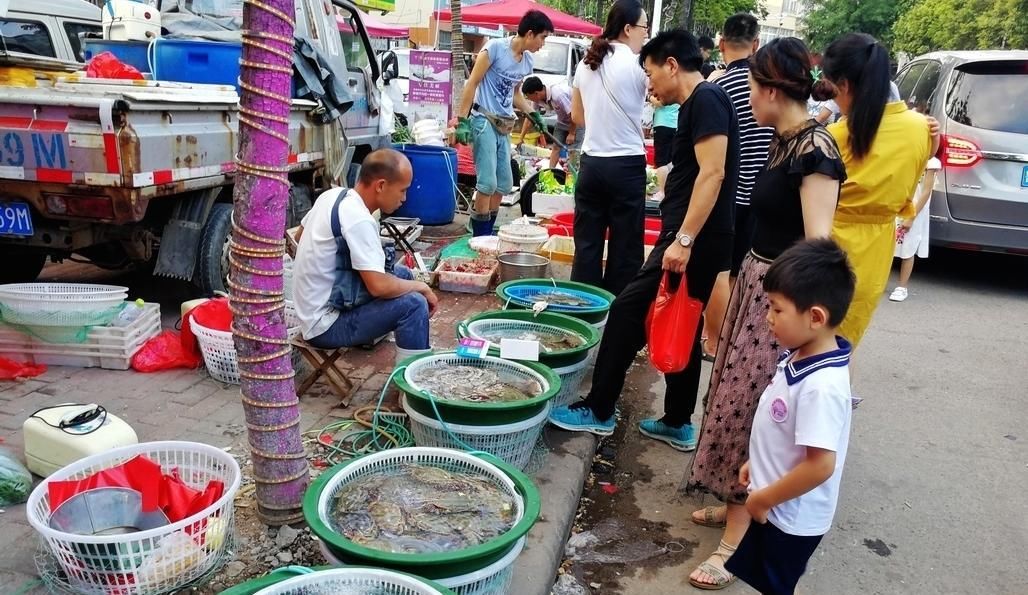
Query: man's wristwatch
x=684 y=239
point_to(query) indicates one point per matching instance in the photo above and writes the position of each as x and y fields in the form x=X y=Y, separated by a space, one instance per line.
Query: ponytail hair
x=785 y=64
x=863 y=63
x=620 y=15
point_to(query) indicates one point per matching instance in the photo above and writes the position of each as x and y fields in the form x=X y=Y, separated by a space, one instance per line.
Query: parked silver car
x=980 y=200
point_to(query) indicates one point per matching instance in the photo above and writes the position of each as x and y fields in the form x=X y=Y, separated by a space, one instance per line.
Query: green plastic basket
x=527 y=318
x=477 y=414
x=590 y=315
x=438 y=565
x=283 y=574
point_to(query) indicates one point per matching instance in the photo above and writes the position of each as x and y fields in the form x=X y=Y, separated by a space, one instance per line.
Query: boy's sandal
x=711 y=518
x=722 y=577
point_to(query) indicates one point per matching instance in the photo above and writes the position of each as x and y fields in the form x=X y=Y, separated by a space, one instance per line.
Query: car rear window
x=990 y=95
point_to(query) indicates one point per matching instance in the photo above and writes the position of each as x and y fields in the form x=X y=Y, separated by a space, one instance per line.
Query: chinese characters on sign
x=429 y=95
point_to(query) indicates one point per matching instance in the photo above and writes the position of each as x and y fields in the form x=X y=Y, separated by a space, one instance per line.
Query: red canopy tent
x=376 y=27
x=508 y=13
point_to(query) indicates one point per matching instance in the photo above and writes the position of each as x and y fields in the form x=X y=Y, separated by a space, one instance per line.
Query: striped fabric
x=753 y=139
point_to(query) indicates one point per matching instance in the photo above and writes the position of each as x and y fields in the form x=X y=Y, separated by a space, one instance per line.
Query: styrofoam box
x=108 y=347
x=545 y=205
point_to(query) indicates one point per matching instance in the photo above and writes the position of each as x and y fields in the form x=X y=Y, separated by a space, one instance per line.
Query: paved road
x=934 y=494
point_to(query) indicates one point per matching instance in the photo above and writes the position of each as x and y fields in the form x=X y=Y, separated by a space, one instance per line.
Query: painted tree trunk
x=456 y=57
x=261 y=193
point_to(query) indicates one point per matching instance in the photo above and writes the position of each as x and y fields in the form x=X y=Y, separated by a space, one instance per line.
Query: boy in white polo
x=802 y=423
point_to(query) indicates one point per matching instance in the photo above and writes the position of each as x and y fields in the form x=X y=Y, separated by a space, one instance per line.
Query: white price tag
x=518 y=349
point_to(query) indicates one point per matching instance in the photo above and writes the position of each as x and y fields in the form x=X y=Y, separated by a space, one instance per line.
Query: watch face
x=685 y=241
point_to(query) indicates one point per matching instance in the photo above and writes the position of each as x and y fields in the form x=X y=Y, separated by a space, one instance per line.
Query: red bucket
x=563 y=224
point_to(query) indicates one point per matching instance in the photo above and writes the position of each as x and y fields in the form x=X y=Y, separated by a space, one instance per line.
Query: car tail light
x=92 y=207
x=959 y=152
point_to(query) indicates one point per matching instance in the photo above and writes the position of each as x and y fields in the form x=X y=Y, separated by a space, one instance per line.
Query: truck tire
x=212 y=257
x=23 y=268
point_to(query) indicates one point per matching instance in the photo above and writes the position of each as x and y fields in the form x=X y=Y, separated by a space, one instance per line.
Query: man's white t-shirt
x=807 y=404
x=314 y=270
x=613 y=133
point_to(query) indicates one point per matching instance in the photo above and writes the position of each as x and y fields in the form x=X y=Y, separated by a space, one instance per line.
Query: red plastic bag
x=163 y=352
x=106 y=65
x=139 y=473
x=671 y=326
x=12 y=370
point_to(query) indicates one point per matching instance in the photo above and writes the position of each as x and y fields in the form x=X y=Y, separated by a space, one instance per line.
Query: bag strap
x=617 y=104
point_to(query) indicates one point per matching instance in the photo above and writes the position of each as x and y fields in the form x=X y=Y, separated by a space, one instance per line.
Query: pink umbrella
x=508 y=13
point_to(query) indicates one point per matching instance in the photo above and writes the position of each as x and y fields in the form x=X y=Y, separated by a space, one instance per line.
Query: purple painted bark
x=456 y=56
x=261 y=194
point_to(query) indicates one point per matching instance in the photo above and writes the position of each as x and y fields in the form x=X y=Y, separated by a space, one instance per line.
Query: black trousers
x=745 y=224
x=625 y=333
x=663 y=140
x=610 y=194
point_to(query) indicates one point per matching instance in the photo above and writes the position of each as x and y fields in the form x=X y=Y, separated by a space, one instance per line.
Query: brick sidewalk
x=185 y=405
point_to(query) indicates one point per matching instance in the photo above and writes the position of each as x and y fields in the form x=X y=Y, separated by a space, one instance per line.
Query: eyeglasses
x=645 y=27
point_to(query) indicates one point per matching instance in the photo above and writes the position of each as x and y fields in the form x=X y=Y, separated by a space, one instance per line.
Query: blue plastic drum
x=432 y=196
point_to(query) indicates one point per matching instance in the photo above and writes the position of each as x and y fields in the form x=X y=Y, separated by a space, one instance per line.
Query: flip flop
x=722 y=577
x=707 y=356
x=710 y=518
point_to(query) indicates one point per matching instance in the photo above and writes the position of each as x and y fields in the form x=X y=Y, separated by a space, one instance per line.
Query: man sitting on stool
x=346 y=287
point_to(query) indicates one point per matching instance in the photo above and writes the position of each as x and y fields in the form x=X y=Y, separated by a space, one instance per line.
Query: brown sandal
x=711 y=518
x=722 y=577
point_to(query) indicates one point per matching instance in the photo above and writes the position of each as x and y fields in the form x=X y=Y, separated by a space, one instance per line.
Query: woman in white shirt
x=610 y=194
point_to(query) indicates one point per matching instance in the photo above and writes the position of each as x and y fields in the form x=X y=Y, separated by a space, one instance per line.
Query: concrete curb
x=560 y=483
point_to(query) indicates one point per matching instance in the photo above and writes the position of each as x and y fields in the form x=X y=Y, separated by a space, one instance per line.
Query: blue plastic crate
x=197 y=61
x=132 y=53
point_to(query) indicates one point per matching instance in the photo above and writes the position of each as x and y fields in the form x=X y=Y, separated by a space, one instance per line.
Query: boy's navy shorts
x=770 y=560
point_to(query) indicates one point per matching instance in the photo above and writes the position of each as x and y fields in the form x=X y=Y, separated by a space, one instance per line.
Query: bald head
x=384 y=164
x=385 y=176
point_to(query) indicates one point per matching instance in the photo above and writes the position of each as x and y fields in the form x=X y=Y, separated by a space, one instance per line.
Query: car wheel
x=23 y=268
x=211 y=272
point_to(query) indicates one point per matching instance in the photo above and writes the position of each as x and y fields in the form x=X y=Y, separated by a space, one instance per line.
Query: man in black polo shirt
x=696 y=238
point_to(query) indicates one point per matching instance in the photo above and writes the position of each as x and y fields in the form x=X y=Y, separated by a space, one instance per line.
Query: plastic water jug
x=131 y=20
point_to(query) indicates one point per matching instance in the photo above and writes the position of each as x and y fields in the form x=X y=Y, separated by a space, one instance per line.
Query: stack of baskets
x=159 y=560
x=507 y=430
x=482 y=569
x=219 y=350
x=61 y=304
x=570 y=364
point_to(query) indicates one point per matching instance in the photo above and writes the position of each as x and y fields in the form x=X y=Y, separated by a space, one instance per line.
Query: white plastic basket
x=444 y=458
x=60 y=304
x=511 y=442
x=219 y=350
x=148 y=562
x=350 y=580
x=494 y=579
x=571 y=378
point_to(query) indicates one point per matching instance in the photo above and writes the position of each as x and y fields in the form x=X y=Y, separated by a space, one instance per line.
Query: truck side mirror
x=390 y=66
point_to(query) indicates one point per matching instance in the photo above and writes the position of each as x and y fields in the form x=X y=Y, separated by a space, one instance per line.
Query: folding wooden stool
x=323 y=362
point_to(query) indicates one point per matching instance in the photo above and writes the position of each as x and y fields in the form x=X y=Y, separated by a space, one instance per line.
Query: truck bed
x=126 y=142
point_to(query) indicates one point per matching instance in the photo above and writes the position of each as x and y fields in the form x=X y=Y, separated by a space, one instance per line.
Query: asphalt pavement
x=934 y=491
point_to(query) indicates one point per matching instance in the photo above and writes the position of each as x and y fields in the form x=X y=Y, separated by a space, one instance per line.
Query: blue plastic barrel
x=432 y=196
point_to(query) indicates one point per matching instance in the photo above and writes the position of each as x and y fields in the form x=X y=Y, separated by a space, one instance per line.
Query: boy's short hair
x=814 y=273
x=535 y=21
x=676 y=43
x=706 y=42
x=741 y=28
x=532 y=84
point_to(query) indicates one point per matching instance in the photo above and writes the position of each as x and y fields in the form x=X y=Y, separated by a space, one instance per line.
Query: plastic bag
x=15 y=479
x=12 y=370
x=672 y=323
x=163 y=352
x=106 y=65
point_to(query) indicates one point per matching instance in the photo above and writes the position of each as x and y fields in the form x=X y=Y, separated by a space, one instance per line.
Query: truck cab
x=50 y=29
x=123 y=173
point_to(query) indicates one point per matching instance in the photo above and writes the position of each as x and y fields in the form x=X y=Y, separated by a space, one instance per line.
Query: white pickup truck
x=123 y=172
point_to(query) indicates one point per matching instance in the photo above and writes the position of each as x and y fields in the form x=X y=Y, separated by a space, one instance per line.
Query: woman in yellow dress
x=885 y=147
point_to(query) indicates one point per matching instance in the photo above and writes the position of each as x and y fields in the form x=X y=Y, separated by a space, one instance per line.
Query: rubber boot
x=402 y=354
x=480 y=225
x=492 y=222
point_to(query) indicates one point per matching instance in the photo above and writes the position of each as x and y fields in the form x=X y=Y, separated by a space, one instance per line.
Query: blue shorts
x=491 y=151
x=771 y=560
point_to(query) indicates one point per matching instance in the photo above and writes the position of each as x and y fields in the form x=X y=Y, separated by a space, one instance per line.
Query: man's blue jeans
x=407 y=315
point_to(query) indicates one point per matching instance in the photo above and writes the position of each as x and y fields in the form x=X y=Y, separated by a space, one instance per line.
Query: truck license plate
x=15 y=219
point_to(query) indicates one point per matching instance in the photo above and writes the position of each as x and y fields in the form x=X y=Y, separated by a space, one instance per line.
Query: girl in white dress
x=912 y=234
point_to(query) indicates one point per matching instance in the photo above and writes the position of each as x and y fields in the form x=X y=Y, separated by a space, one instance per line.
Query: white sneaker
x=898 y=295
